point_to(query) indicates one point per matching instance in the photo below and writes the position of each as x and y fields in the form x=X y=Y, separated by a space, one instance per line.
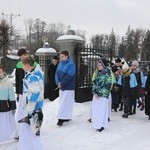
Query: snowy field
x=122 y=134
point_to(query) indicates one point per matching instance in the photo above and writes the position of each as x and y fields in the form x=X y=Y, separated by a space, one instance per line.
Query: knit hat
x=135 y=63
x=105 y=62
x=118 y=60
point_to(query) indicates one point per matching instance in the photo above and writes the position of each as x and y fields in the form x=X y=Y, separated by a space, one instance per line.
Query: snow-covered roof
x=70 y=37
x=13 y=57
x=46 y=51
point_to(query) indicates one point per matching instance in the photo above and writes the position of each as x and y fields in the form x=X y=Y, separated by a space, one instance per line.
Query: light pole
x=11 y=17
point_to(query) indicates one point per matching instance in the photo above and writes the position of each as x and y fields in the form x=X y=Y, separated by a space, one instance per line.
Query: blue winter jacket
x=65 y=74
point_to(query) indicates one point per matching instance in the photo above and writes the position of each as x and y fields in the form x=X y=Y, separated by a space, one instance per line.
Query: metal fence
x=86 y=64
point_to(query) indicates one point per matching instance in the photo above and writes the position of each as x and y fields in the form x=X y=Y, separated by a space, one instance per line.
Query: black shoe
x=149 y=118
x=115 y=109
x=130 y=113
x=139 y=104
x=100 y=130
x=134 y=112
x=66 y=120
x=37 y=133
x=108 y=119
x=17 y=138
x=60 y=122
x=121 y=109
x=142 y=108
x=125 y=116
x=89 y=120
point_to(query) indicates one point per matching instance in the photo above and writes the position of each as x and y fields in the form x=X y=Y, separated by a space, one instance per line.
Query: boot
x=139 y=103
x=125 y=115
x=100 y=130
x=115 y=107
x=121 y=107
x=89 y=120
x=134 y=111
x=142 y=107
x=60 y=122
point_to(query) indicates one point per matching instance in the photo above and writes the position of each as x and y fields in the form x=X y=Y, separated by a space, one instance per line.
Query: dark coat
x=20 y=73
x=147 y=97
x=52 y=93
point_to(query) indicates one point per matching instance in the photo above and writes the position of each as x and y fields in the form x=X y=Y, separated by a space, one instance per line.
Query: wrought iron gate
x=86 y=64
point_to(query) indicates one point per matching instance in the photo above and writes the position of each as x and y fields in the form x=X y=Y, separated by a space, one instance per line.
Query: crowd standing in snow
x=120 y=87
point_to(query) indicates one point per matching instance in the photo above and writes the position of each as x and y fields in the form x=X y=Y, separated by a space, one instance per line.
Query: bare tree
x=4 y=37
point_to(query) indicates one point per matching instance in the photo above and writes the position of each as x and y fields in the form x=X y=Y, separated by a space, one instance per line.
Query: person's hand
x=96 y=96
x=146 y=92
x=59 y=85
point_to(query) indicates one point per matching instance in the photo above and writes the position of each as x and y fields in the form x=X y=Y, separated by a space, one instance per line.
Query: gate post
x=69 y=42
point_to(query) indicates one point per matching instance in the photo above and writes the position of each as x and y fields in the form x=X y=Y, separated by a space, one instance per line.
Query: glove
x=13 y=112
x=25 y=120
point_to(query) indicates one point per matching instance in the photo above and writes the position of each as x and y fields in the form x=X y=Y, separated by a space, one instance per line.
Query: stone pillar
x=69 y=42
x=45 y=55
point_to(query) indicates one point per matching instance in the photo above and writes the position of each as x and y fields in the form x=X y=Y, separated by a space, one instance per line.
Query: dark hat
x=105 y=62
x=101 y=61
x=115 y=68
x=118 y=60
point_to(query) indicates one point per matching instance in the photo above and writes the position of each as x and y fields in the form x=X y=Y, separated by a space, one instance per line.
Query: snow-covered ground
x=122 y=134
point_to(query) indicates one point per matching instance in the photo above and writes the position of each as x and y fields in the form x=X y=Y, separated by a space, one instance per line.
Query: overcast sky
x=93 y=16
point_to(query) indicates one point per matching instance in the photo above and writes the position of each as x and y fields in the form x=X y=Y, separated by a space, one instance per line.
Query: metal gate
x=86 y=64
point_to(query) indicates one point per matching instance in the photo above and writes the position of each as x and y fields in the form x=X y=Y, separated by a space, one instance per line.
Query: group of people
x=119 y=86
x=21 y=115
x=130 y=88
x=111 y=87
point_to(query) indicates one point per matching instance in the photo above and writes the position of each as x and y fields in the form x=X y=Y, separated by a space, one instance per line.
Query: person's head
x=100 y=65
x=118 y=62
x=134 y=65
x=22 y=53
x=105 y=62
x=144 y=70
x=64 y=55
x=2 y=71
x=116 y=70
x=55 y=60
x=27 y=63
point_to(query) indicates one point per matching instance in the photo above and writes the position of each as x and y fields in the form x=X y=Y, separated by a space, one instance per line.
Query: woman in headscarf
x=102 y=82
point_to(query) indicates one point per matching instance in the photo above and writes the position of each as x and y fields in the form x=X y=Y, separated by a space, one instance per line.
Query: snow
x=46 y=50
x=70 y=37
x=13 y=57
x=121 y=134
